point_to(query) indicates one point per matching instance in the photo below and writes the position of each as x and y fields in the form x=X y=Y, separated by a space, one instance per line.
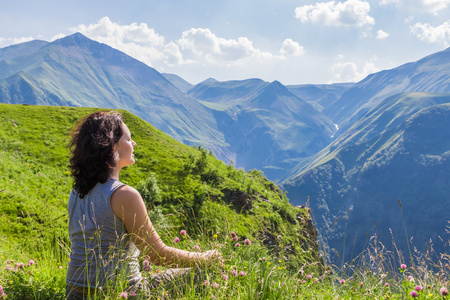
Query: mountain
x=179 y=82
x=387 y=173
x=76 y=71
x=430 y=74
x=266 y=126
x=320 y=96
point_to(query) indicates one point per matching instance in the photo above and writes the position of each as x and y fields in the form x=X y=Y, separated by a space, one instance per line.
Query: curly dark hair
x=92 y=145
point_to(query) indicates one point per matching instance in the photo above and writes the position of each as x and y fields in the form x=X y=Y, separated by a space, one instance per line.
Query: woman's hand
x=213 y=257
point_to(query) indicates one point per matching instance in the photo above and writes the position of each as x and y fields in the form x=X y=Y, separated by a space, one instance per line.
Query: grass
x=252 y=272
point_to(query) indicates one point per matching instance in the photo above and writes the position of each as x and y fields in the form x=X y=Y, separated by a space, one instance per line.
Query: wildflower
x=8 y=262
x=123 y=295
x=242 y=273
x=247 y=242
x=233 y=234
x=386 y=284
x=235 y=238
x=309 y=276
x=30 y=263
x=176 y=240
x=414 y=294
x=263 y=258
x=403 y=266
x=215 y=285
x=237 y=245
x=206 y=282
x=342 y=281
x=444 y=291
x=60 y=267
x=146 y=265
x=1 y=290
x=418 y=288
x=215 y=236
x=225 y=277
x=316 y=280
x=234 y=273
x=410 y=278
x=132 y=293
x=197 y=248
x=213 y=297
x=304 y=282
x=183 y=232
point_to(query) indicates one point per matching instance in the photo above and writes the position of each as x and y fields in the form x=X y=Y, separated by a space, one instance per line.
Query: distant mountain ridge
x=429 y=74
x=267 y=125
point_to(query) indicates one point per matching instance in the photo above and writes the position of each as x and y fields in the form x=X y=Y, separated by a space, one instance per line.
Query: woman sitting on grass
x=108 y=222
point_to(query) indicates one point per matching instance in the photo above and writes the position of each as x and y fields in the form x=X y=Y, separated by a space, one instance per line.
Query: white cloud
x=136 y=40
x=348 y=13
x=201 y=44
x=430 y=34
x=349 y=72
x=429 y=6
x=291 y=48
x=381 y=35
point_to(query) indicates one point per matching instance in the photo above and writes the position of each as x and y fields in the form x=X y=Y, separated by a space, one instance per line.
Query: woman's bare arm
x=128 y=205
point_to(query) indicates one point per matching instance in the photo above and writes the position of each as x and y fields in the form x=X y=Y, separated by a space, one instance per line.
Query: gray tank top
x=101 y=250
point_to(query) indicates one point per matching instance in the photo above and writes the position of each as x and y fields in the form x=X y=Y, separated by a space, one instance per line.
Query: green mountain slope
x=196 y=191
x=399 y=151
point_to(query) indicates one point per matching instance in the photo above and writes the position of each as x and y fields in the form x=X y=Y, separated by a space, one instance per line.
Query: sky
x=294 y=42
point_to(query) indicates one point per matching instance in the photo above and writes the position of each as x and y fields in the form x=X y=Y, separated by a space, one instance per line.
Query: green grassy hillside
x=185 y=187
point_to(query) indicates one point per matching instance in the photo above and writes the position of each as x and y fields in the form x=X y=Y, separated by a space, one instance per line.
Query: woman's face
x=124 y=148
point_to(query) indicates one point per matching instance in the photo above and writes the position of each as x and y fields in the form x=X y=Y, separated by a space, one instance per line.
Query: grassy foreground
x=275 y=255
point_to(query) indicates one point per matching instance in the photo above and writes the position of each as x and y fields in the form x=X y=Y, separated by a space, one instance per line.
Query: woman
x=108 y=222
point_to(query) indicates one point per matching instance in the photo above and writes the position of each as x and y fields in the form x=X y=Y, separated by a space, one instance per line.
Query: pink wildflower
x=197 y=248
x=247 y=242
x=8 y=262
x=132 y=293
x=233 y=234
x=215 y=285
x=183 y=232
x=123 y=295
x=444 y=291
x=316 y=280
x=414 y=294
x=237 y=245
x=60 y=267
x=386 y=284
x=225 y=277
x=31 y=262
x=242 y=273
x=304 y=282
x=410 y=278
x=146 y=265
x=176 y=240
x=235 y=238
x=206 y=282
x=403 y=266
x=309 y=276
x=213 y=297
x=1 y=290
x=342 y=281
x=418 y=288
x=234 y=273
